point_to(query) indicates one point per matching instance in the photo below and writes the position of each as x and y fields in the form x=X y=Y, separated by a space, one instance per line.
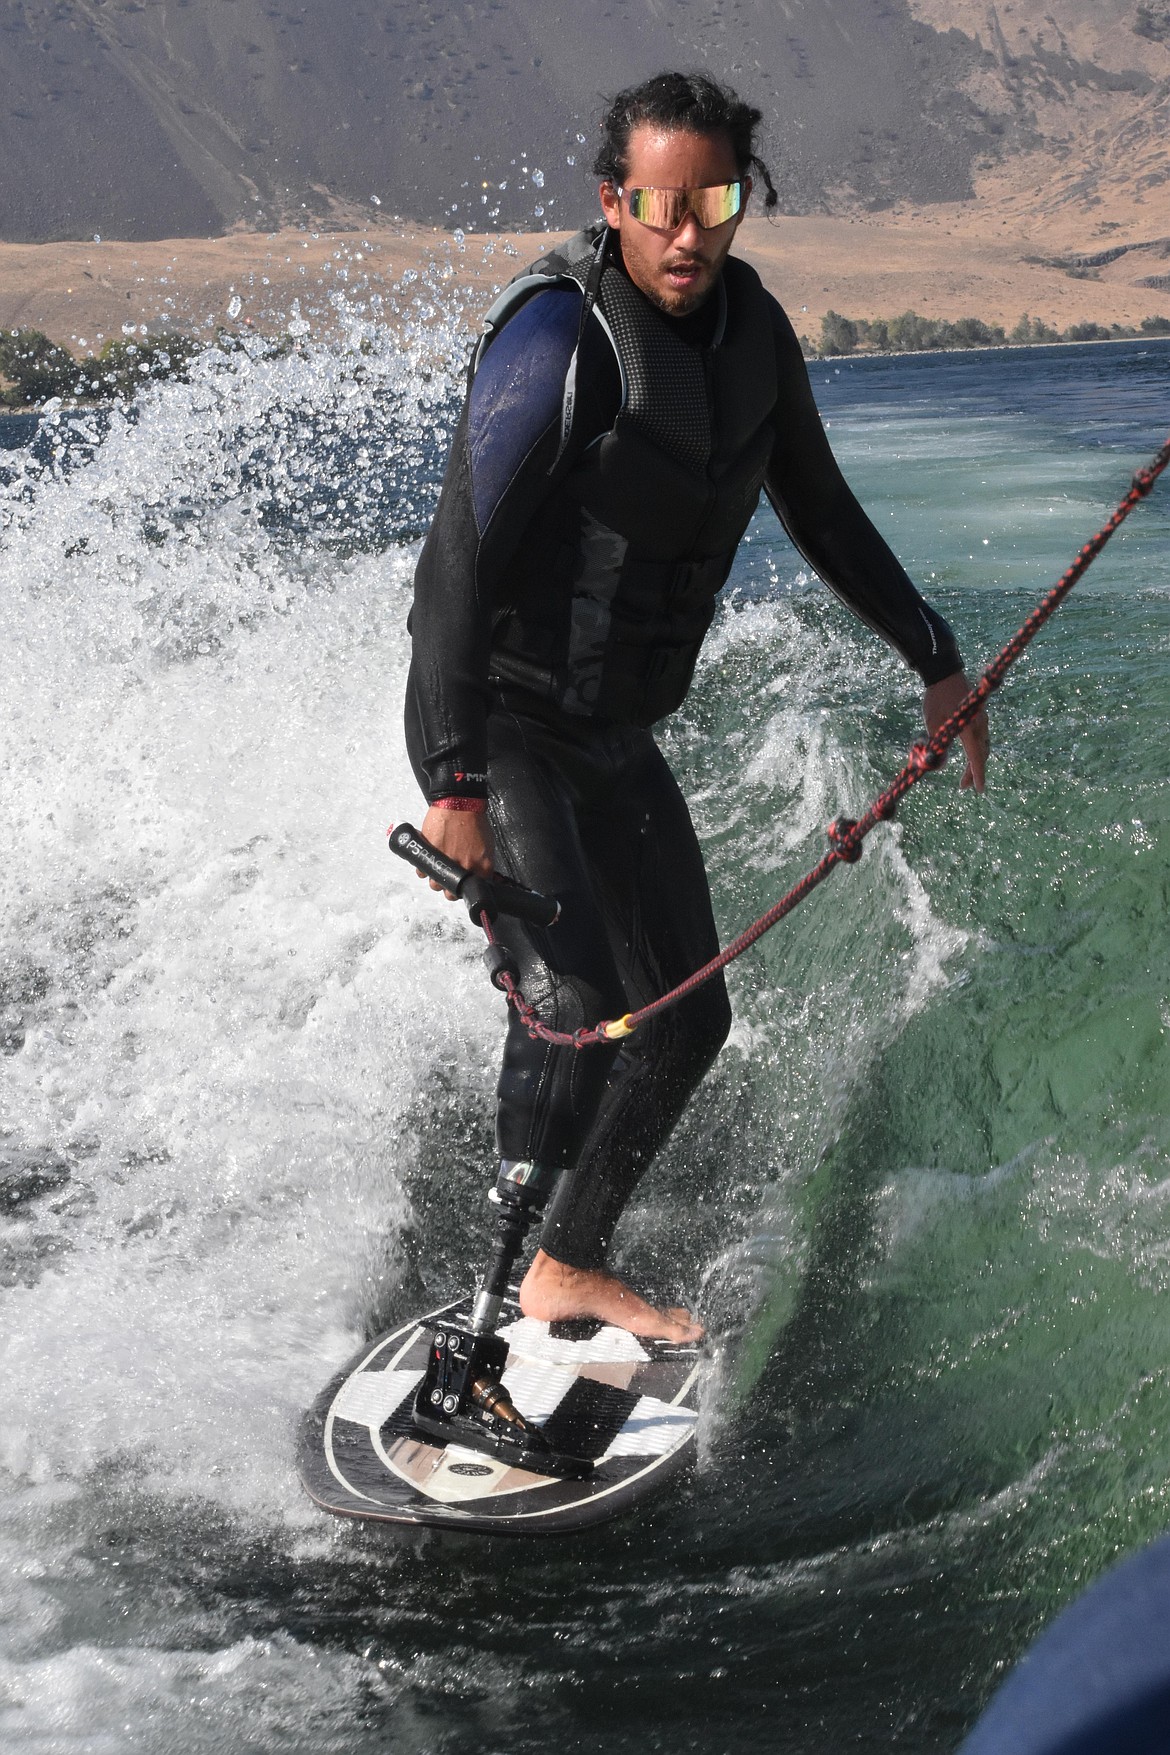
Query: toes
x=687 y=1329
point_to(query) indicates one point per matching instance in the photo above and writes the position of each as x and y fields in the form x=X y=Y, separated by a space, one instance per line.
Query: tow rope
x=846 y=835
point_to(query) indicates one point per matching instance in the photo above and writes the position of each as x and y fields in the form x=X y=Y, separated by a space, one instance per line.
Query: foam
x=225 y=1012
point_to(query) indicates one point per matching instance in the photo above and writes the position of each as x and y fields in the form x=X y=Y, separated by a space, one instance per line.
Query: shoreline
x=925 y=353
x=945 y=262
x=31 y=415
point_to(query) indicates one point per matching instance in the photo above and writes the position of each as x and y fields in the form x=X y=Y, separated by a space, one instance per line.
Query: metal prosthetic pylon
x=461 y=1398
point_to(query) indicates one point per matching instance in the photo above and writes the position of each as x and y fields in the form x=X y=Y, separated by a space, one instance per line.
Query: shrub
x=1033 y=329
x=123 y=367
x=838 y=334
x=35 y=368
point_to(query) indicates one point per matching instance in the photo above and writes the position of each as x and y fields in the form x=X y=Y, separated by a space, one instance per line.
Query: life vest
x=613 y=587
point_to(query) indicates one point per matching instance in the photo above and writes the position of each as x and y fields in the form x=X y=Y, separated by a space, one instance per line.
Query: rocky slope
x=144 y=119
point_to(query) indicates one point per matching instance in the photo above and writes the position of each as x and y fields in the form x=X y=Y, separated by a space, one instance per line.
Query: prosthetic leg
x=462 y=1399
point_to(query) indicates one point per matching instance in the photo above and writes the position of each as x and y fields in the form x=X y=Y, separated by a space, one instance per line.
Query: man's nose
x=689 y=233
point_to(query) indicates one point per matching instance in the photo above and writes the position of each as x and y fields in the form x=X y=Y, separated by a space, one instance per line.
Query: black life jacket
x=614 y=585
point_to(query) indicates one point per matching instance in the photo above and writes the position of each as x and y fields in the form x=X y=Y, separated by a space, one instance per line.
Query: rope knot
x=841 y=840
x=923 y=760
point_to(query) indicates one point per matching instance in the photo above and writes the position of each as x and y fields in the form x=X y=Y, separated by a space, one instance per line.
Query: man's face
x=675 y=269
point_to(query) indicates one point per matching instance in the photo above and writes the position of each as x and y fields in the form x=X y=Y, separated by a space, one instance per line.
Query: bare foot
x=552 y=1292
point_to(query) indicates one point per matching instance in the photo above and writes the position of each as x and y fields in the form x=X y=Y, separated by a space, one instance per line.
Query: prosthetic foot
x=462 y=1399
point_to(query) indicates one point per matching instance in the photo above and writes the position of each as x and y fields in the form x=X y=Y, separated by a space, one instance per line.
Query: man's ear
x=611 y=205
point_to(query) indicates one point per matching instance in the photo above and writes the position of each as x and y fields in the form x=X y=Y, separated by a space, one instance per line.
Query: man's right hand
x=938 y=703
x=464 y=836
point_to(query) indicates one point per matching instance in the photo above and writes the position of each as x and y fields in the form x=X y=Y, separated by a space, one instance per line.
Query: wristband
x=476 y=805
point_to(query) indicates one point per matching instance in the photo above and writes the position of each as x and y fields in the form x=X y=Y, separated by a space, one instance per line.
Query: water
x=246 y=1120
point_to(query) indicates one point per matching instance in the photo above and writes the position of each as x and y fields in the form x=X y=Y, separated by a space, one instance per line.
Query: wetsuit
x=606 y=463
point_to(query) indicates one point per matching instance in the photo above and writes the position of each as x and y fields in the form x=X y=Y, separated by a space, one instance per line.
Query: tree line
x=911 y=333
x=34 y=370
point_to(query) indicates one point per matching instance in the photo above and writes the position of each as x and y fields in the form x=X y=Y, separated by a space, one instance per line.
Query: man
x=633 y=394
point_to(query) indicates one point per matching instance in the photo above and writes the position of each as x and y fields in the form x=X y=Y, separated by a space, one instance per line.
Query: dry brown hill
x=1080 y=91
x=956 y=158
x=146 y=119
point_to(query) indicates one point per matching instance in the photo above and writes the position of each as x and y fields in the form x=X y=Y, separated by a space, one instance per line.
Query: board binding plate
x=630 y=1404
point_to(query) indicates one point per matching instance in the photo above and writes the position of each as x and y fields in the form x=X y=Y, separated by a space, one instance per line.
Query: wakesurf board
x=630 y=1406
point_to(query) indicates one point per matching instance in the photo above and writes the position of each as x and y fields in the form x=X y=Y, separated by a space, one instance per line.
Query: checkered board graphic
x=630 y=1405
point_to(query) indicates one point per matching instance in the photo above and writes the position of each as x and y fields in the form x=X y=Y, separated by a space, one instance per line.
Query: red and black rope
x=847 y=835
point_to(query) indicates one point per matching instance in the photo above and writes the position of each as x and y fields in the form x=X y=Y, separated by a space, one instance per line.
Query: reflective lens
x=665 y=209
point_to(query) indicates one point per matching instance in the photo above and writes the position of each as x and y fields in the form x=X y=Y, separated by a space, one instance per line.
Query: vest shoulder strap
x=568 y=265
x=580 y=262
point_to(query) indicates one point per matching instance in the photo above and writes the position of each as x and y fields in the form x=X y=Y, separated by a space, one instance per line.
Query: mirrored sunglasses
x=665 y=209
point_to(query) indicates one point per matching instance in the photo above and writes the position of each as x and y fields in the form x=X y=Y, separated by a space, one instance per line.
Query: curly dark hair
x=691 y=101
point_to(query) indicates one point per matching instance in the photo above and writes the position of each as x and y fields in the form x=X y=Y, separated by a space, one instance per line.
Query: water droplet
x=538 y=179
x=460 y=236
x=97 y=237
x=580 y=140
x=538 y=210
x=234 y=307
x=572 y=159
x=377 y=200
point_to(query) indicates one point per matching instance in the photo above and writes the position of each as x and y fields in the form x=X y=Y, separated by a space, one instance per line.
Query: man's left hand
x=938 y=703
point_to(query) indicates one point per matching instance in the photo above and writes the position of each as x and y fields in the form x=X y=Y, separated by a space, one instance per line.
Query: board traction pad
x=630 y=1405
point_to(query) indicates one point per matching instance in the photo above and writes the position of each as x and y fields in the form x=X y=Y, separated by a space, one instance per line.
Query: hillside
x=145 y=119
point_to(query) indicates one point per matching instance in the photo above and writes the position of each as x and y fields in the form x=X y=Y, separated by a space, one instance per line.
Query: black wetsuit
x=536 y=691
